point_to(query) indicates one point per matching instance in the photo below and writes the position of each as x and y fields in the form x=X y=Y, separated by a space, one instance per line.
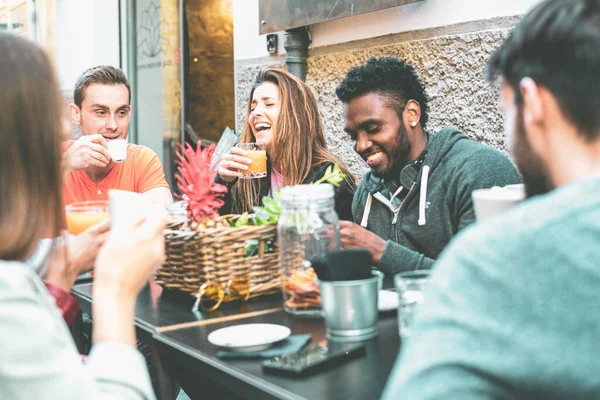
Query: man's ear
x=75 y=114
x=533 y=114
x=412 y=114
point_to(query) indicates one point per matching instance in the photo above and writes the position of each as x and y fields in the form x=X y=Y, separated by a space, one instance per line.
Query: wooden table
x=179 y=338
x=361 y=378
x=158 y=309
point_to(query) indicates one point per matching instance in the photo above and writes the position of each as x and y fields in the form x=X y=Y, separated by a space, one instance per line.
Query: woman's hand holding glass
x=75 y=255
x=126 y=261
x=123 y=266
x=235 y=161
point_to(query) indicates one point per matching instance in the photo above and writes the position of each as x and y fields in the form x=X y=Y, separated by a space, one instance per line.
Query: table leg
x=196 y=386
x=163 y=383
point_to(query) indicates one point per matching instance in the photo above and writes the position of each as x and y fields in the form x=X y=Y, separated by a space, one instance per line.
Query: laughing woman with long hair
x=282 y=113
x=38 y=358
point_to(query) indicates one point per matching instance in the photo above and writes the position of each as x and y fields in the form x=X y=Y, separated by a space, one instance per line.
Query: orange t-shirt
x=140 y=172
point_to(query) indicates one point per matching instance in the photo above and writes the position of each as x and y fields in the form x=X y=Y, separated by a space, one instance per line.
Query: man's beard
x=398 y=155
x=531 y=166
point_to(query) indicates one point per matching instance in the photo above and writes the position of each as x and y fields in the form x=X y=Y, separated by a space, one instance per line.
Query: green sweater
x=457 y=166
x=512 y=309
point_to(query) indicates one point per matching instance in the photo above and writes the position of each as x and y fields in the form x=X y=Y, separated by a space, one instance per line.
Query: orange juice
x=259 y=162
x=78 y=222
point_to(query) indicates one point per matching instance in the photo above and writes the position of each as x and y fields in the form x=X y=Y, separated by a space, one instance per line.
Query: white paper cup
x=126 y=208
x=488 y=202
x=117 y=149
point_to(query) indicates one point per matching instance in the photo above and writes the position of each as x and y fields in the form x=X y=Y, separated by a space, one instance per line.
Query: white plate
x=249 y=337
x=387 y=300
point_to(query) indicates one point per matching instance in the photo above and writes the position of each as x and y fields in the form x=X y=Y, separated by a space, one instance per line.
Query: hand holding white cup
x=117 y=149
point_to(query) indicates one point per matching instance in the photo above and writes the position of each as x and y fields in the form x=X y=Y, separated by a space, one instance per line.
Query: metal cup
x=350 y=308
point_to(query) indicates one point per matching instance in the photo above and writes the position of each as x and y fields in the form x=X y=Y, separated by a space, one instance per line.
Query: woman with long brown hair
x=282 y=113
x=39 y=358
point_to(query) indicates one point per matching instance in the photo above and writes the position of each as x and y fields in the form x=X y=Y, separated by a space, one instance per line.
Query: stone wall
x=451 y=61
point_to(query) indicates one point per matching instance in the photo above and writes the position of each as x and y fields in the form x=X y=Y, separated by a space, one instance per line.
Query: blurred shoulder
x=535 y=228
x=16 y=276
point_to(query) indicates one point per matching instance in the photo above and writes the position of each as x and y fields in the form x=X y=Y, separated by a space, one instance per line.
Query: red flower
x=196 y=180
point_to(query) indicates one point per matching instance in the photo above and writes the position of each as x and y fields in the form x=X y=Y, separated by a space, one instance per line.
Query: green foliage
x=251 y=246
x=271 y=209
x=333 y=175
x=241 y=221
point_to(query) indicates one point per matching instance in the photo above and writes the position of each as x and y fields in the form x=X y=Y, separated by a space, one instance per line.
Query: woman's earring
x=413 y=124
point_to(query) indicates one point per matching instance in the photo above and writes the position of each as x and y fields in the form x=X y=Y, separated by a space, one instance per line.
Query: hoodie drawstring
x=367 y=211
x=423 y=196
x=422 y=201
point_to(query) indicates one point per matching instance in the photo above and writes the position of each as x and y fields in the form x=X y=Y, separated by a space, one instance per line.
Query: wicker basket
x=219 y=255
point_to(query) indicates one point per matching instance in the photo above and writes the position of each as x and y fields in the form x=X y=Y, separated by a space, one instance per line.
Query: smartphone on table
x=313 y=358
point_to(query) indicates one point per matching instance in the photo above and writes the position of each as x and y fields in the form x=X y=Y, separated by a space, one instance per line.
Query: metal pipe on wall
x=129 y=7
x=296 y=45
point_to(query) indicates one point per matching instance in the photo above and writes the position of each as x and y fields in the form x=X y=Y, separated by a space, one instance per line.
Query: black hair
x=391 y=77
x=557 y=44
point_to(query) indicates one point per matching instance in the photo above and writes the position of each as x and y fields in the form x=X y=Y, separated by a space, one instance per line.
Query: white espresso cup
x=117 y=149
x=488 y=202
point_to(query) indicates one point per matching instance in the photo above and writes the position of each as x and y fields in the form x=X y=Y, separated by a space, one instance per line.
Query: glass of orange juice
x=258 y=155
x=85 y=214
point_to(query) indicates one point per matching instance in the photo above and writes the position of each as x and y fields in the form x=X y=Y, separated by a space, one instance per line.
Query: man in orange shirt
x=102 y=109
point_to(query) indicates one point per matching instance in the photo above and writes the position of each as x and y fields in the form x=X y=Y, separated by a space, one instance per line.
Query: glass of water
x=409 y=286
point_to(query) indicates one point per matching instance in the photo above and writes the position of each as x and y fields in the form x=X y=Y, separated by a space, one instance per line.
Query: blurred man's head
x=549 y=69
x=102 y=100
x=385 y=107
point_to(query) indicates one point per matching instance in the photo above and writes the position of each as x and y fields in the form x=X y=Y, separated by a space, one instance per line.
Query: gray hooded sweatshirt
x=436 y=206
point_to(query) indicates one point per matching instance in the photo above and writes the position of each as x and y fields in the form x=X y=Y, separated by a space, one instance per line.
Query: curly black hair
x=388 y=76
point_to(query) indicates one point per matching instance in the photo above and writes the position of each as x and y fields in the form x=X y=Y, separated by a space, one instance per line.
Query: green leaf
x=258 y=209
x=261 y=212
x=269 y=214
x=277 y=196
x=272 y=213
x=271 y=204
x=270 y=245
x=333 y=175
x=262 y=221
x=242 y=220
x=251 y=247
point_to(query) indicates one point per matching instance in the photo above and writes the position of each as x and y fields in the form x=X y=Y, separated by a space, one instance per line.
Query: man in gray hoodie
x=512 y=309
x=417 y=195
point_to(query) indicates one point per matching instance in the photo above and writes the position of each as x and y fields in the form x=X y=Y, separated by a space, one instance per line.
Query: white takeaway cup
x=488 y=202
x=117 y=149
x=126 y=208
